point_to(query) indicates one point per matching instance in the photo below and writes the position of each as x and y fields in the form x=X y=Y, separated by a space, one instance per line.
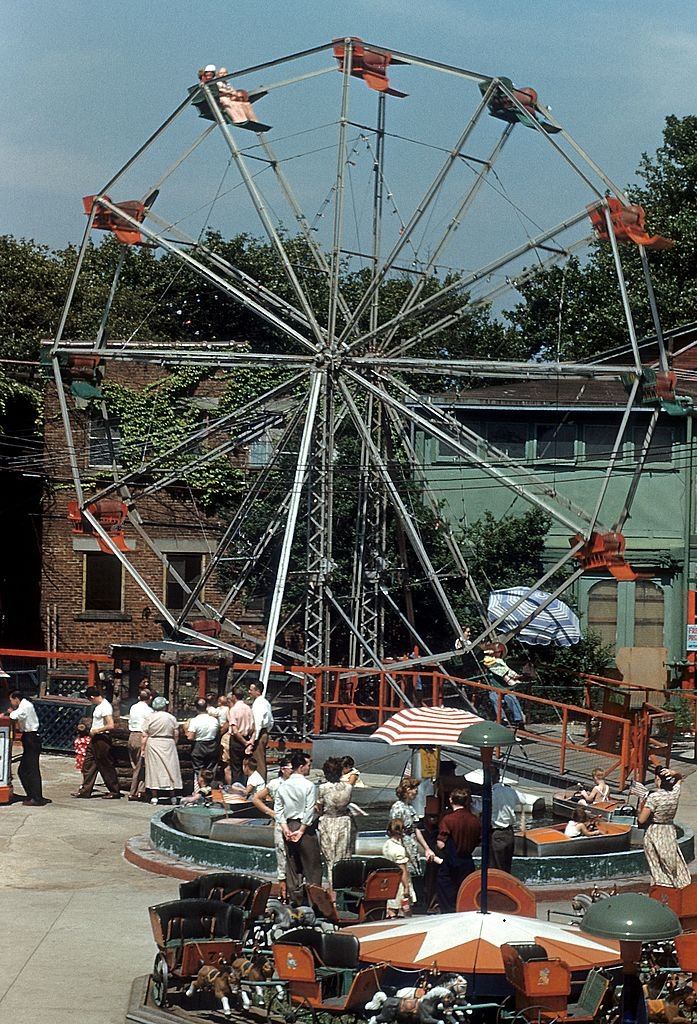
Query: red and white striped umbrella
x=426 y=727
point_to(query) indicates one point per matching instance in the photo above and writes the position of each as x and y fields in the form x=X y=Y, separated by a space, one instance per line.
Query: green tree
x=575 y=311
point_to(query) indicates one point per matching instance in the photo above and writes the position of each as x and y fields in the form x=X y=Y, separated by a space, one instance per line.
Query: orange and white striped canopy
x=426 y=727
x=470 y=942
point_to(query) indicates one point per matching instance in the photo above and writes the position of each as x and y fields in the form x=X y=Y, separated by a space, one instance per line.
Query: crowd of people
x=315 y=823
x=227 y=735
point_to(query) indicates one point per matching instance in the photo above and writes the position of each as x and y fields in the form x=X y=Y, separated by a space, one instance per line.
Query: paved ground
x=74 y=930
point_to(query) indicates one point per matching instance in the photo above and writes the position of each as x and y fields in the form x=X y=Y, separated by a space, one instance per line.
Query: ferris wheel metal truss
x=351 y=377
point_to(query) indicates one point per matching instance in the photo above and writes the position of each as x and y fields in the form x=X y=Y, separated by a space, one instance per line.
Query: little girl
x=600 y=791
x=81 y=743
x=393 y=849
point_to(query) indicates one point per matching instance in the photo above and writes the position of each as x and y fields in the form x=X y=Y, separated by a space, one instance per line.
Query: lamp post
x=633 y=919
x=486 y=736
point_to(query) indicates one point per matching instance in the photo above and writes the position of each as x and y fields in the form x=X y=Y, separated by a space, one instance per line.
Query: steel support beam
x=284 y=559
x=403 y=514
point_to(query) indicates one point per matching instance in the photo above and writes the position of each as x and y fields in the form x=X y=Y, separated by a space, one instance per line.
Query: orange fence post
x=319 y=701
x=625 y=756
x=564 y=726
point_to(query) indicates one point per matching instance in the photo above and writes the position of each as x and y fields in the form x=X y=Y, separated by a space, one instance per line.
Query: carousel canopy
x=426 y=727
x=469 y=943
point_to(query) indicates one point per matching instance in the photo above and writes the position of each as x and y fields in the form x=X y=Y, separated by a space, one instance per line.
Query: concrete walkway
x=74 y=928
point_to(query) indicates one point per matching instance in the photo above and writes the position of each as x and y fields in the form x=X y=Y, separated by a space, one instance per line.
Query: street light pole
x=486 y=736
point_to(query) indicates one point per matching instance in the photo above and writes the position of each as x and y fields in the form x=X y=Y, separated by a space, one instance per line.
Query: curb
x=140 y=851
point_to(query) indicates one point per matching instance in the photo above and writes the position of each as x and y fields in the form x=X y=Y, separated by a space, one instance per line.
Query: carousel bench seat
x=181 y=921
x=321 y=969
x=249 y=892
x=362 y=886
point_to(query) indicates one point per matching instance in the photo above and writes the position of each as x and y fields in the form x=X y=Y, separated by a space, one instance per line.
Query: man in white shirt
x=98 y=759
x=263 y=724
x=203 y=731
x=139 y=712
x=259 y=800
x=23 y=714
x=505 y=802
x=295 y=812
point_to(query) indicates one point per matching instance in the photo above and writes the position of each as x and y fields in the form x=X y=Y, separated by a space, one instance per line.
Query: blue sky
x=84 y=83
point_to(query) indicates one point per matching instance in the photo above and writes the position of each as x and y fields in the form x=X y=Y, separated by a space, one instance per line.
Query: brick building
x=88 y=599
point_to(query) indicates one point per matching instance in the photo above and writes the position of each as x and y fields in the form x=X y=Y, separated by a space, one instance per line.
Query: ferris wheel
x=404 y=185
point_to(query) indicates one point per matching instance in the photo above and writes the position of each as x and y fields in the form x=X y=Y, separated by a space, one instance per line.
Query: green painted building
x=565 y=431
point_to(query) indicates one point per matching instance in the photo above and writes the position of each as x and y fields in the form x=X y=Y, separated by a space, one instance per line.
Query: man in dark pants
x=460 y=832
x=98 y=759
x=23 y=714
x=504 y=803
x=294 y=810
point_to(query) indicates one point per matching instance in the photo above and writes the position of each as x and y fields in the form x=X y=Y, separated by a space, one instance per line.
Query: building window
x=556 y=441
x=259 y=453
x=648 y=614
x=661 y=447
x=510 y=436
x=602 y=611
x=188 y=566
x=103 y=583
x=599 y=440
x=98 y=447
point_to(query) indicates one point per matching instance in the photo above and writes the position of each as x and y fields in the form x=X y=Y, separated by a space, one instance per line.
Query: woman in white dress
x=159 y=749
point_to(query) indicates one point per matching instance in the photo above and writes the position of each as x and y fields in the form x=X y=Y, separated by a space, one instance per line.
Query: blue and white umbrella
x=555 y=624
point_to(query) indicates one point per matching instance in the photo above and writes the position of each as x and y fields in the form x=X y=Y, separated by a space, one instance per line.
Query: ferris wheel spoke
x=421 y=209
x=489 y=297
x=614 y=455
x=370 y=651
x=210 y=275
x=293 y=507
x=259 y=203
x=245 y=280
x=302 y=221
x=465 y=442
x=197 y=437
x=406 y=520
x=235 y=525
x=636 y=475
x=448 y=532
x=506 y=368
x=462 y=283
x=452 y=227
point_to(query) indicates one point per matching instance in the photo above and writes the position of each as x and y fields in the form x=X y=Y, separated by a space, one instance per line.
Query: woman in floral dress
x=336 y=835
x=666 y=862
x=402 y=810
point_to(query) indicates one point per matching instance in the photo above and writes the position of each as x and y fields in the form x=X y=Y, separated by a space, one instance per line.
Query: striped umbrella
x=555 y=624
x=425 y=727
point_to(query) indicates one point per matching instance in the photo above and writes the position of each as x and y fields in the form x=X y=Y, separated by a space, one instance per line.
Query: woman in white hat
x=159 y=749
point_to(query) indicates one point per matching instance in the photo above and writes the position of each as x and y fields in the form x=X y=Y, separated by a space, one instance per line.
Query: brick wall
x=171 y=519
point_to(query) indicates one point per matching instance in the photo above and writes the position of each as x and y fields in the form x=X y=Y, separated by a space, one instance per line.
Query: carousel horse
x=435 y=1006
